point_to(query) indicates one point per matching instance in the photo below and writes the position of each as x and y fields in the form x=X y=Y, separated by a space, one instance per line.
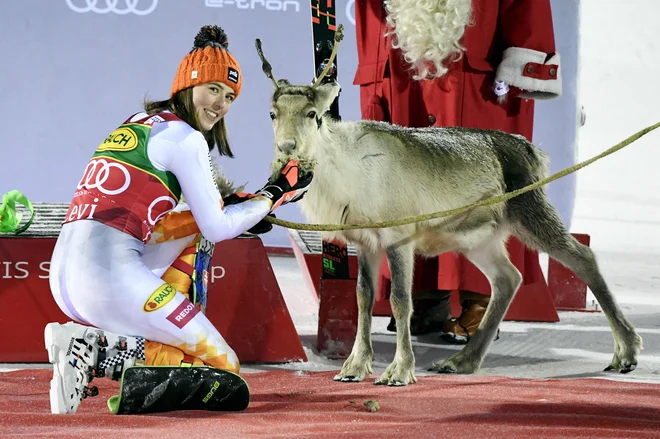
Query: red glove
x=289 y=186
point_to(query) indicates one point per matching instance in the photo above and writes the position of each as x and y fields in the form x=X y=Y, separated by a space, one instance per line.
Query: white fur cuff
x=528 y=70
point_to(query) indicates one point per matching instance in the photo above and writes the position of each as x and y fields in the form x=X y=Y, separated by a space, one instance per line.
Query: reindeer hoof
x=397 y=375
x=447 y=366
x=443 y=369
x=626 y=352
x=457 y=363
x=624 y=368
x=347 y=379
x=355 y=369
x=391 y=383
x=628 y=368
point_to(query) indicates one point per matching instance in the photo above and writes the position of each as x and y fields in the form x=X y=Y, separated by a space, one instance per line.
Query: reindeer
x=367 y=172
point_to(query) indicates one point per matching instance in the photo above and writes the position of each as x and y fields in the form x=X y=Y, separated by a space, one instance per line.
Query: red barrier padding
x=568 y=291
x=338 y=316
x=245 y=302
x=532 y=303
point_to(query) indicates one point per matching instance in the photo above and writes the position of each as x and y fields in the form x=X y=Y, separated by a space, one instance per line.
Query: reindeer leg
x=358 y=365
x=538 y=225
x=504 y=279
x=627 y=343
x=402 y=370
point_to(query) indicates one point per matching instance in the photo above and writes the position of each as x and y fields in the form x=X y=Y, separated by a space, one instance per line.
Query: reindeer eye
x=272 y=115
x=311 y=114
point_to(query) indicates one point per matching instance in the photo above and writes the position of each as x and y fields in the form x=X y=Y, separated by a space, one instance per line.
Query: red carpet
x=296 y=404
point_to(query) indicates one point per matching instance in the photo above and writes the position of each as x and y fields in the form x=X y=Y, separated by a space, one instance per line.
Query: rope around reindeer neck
x=487 y=202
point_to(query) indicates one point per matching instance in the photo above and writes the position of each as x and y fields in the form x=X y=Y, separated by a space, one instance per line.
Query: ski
x=324 y=26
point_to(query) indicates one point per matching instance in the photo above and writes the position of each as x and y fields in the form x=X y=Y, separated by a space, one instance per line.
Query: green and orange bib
x=121 y=187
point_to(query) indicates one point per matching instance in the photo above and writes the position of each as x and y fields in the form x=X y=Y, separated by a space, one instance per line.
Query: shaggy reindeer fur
x=368 y=172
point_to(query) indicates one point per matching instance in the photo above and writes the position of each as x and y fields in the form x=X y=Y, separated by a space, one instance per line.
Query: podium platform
x=244 y=299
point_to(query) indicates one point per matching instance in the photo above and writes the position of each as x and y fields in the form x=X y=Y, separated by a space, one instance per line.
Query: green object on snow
x=9 y=219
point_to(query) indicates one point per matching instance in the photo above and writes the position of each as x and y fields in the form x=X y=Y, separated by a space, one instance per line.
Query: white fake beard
x=428 y=32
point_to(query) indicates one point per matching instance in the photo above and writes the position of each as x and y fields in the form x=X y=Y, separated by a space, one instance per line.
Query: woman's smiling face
x=211 y=101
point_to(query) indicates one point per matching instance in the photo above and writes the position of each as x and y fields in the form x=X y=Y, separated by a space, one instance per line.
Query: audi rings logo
x=124 y=7
x=108 y=178
x=164 y=212
x=350 y=11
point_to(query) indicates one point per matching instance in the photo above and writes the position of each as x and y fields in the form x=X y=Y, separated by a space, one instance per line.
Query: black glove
x=262 y=226
x=289 y=186
x=237 y=198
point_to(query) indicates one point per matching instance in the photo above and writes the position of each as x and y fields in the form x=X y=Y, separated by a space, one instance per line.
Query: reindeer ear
x=326 y=94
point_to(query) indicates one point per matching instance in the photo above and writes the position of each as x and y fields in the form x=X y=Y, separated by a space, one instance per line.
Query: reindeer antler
x=265 y=65
x=339 y=35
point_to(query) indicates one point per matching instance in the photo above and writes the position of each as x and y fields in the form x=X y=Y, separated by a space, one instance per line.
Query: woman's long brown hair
x=181 y=104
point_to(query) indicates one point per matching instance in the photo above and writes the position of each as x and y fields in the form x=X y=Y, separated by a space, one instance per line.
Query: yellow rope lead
x=488 y=202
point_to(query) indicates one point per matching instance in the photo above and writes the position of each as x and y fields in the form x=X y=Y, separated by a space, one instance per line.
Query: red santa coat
x=510 y=40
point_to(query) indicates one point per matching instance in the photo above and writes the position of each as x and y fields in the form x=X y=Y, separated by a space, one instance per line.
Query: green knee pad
x=156 y=389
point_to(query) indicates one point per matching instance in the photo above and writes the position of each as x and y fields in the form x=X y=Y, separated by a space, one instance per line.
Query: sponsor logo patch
x=121 y=139
x=183 y=314
x=216 y=386
x=159 y=298
x=232 y=75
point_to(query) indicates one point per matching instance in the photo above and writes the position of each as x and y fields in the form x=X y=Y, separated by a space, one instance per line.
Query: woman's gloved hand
x=262 y=226
x=237 y=198
x=289 y=186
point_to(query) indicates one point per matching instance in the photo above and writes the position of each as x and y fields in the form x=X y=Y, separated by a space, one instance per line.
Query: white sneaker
x=73 y=351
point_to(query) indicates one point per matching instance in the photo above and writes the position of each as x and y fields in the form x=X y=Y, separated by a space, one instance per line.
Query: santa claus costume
x=470 y=63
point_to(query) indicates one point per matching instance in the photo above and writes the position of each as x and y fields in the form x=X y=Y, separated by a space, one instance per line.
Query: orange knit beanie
x=208 y=61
